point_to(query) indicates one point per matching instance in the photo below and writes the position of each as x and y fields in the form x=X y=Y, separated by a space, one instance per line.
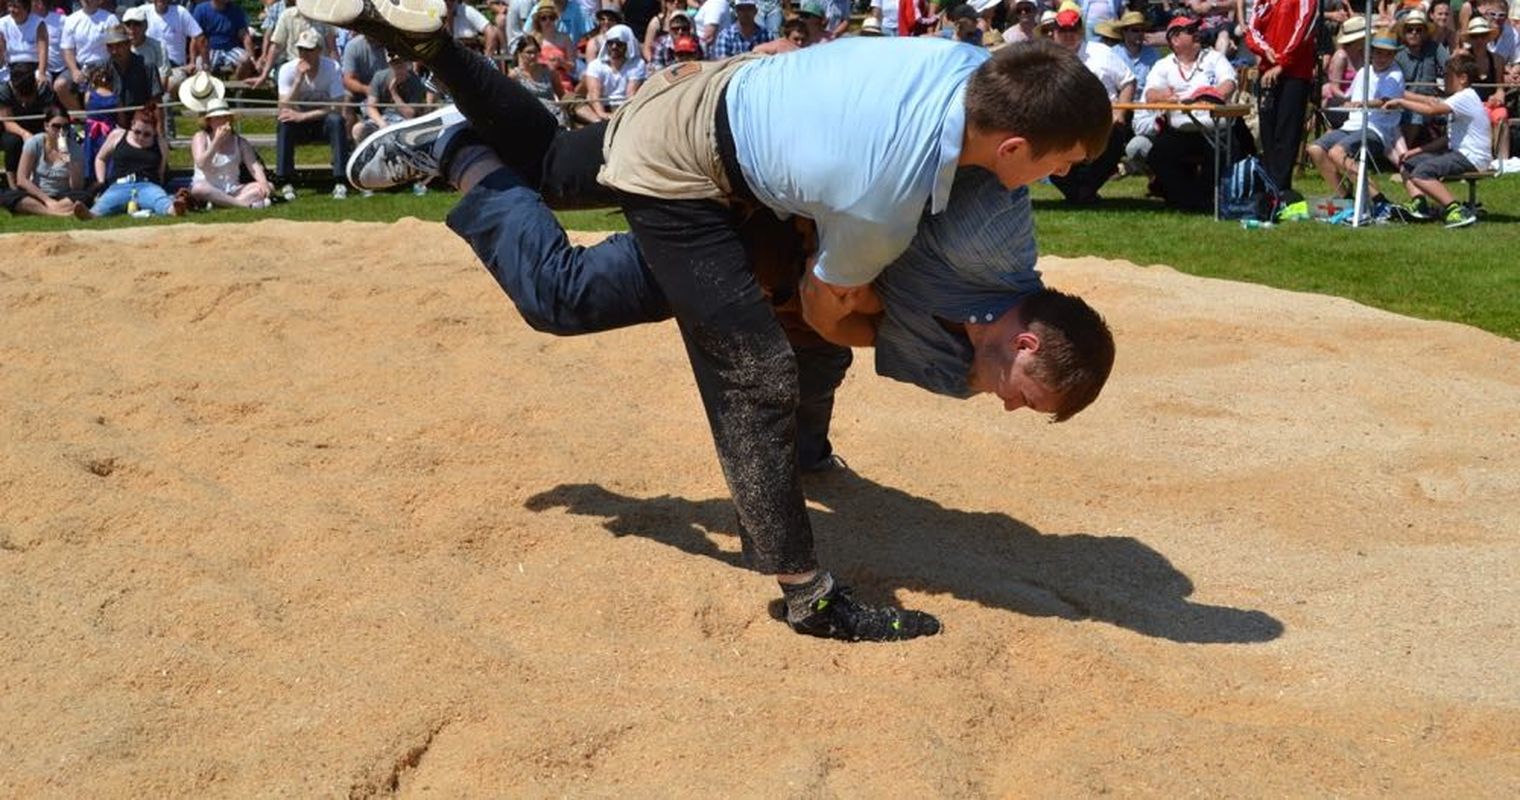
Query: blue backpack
x=1248 y=192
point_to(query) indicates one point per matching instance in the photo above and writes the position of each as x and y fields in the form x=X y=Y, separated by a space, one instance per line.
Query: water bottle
x=419 y=188
x=1254 y=224
x=132 y=205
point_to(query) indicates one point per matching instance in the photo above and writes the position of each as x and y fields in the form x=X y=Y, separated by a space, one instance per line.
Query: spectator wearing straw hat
x=83 y=46
x=308 y=89
x=1081 y=183
x=1344 y=63
x=1335 y=154
x=1422 y=59
x=220 y=155
x=744 y=35
x=1477 y=42
x=870 y=27
x=229 y=42
x=885 y=14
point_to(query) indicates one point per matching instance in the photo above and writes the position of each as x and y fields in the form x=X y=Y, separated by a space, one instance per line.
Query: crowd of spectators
x=1299 y=63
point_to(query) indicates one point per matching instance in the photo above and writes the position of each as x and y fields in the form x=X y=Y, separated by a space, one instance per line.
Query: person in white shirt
x=308 y=87
x=171 y=24
x=1081 y=183
x=84 y=47
x=1182 y=157
x=1469 y=145
x=616 y=74
x=885 y=12
x=24 y=37
x=53 y=19
x=712 y=17
x=1336 y=153
x=466 y=22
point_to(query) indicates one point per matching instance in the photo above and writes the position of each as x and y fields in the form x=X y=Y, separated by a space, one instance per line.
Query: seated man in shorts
x=1335 y=154
x=1467 y=148
x=229 y=43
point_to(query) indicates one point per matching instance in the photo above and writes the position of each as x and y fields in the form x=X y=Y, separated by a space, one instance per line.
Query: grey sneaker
x=406 y=152
x=406 y=26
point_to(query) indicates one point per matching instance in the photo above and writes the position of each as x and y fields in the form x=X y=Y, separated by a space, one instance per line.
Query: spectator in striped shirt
x=742 y=36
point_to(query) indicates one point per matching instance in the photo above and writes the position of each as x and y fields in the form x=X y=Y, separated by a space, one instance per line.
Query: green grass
x=1468 y=276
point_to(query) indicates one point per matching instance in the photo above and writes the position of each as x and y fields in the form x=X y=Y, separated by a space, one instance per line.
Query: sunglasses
x=548 y=17
x=144 y=131
x=617 y=43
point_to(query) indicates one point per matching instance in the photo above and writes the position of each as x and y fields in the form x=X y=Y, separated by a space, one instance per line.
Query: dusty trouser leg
x=820 y=370
x=744 y=368
x=559 y=288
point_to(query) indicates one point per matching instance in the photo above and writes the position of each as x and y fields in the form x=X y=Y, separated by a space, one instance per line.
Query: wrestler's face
x=1017 y=166
x=1017 y=386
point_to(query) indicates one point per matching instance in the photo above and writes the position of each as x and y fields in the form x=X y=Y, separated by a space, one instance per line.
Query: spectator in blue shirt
x=228 y=41
x=742 y=36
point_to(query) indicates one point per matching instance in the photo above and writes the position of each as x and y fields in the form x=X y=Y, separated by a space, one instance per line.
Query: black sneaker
x=406 y=152
x=837 y=615
x=409 y=27
x=1419 y=209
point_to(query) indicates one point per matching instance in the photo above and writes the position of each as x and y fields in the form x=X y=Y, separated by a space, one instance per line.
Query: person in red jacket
x=1281 y=34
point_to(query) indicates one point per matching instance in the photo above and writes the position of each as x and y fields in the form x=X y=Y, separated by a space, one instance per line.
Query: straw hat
x=1114 y=28
x=1352 y=30
x=199 y=90
x=1478 y=26
x=1385 y=40
x=1414 y=17
x=217 y=107
x=1047 y=19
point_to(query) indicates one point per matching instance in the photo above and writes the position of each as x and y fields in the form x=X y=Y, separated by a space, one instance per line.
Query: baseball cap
x=1185 y=22
x=685 y=44
x=811 y=8
x=135 y=14
x=309 y=40
x=1047 y=19
x=738 y=3
x=1068 y=18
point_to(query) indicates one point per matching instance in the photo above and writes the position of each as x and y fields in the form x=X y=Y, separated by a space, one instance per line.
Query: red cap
x=685 y=44
x=1178 y=23
x=1070 y=18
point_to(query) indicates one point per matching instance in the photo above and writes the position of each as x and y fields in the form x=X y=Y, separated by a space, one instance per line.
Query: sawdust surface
x=306 y=510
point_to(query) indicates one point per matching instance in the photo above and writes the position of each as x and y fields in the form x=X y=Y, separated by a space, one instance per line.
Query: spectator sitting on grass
x=21 y=96
x=50 y=180
x=1335 y=154
x=396 y=94
x=309 y=86
x=1467 y=146
x=220 y=155
x=132 y=164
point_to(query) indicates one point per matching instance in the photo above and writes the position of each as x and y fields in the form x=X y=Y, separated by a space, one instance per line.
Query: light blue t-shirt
x=970 y=263
x=862 y=157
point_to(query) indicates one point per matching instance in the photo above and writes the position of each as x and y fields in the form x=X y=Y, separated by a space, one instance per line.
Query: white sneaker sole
x=413 y=16
x=440 y=118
